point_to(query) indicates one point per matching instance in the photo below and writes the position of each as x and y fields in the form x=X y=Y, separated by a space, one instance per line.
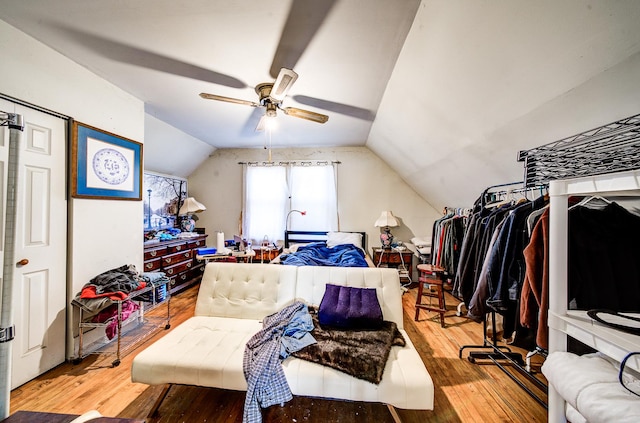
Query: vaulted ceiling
x=446 y=92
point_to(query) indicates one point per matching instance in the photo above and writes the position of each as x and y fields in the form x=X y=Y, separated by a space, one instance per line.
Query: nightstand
x=265 y=254
x=395 y=258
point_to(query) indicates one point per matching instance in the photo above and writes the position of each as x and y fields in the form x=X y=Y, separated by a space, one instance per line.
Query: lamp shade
x=386 y=219
x=191 y=205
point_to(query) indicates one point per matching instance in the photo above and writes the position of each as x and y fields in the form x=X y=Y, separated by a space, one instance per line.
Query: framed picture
x=163 y=197
x=104 y=165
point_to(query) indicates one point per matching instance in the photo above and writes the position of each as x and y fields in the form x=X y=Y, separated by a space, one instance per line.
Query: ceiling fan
x=270 y=96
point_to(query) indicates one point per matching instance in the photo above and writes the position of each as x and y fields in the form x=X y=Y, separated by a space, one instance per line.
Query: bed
x=325 y=248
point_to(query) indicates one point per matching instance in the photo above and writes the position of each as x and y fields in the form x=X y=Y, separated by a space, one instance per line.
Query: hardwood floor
x=464 y=392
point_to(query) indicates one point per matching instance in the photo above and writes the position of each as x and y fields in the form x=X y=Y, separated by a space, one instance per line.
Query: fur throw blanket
x=359 y=353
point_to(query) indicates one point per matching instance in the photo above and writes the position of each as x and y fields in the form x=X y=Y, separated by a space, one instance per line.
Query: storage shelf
x=135 y=333
x=608 y=149
x=562 y=322
x=622 y=183
x=133 y=330
x=611 y=342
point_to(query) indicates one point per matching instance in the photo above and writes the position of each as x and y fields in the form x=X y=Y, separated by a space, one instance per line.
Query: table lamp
x=189 y=207
x=386 y=220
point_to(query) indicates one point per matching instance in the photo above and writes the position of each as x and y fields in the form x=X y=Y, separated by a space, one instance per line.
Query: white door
x=39 y=284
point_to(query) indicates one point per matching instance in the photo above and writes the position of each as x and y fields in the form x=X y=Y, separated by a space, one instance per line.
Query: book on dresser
x=177 y=259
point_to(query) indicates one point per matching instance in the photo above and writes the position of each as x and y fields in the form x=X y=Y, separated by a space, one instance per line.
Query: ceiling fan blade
x=262 y=124
x=305 y=114
x=343 y=109
x=228 y=99
x=134 y=56
x=304 y=20
x=283 y=83
x=249 y=129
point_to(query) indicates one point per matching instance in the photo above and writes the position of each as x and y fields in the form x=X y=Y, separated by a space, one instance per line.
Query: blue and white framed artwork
x=105 y=165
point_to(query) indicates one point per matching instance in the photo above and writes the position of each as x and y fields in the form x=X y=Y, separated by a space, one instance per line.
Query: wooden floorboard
x=464 y=392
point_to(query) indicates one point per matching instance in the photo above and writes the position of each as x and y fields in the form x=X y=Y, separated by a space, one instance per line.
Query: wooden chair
x=432 y=276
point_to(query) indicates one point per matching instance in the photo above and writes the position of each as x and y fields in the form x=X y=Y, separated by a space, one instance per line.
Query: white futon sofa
x=207 y=349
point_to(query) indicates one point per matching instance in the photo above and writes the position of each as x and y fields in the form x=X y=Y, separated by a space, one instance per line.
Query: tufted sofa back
x=253 y=291
x=245 y=290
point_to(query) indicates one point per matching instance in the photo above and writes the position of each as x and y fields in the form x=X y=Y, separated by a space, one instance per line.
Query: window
x=271 y=191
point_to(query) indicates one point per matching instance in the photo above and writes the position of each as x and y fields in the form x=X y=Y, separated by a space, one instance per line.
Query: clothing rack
x=521 y=189
x=614 y=147
x=499 y=354
x=502 y=355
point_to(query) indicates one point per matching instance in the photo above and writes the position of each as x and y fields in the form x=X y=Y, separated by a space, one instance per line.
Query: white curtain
x=313 y=190
x=265 y=203
x=271 y=191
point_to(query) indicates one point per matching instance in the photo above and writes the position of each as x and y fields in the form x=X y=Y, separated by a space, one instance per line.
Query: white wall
x=170 y=151
x=102 y=234
x=366 y=187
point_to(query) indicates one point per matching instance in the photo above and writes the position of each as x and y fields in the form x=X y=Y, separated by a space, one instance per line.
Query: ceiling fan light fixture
x=270 y=123
x=271 y=97
x=271 y=110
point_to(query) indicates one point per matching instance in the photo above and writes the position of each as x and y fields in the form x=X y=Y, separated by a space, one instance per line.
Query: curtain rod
x=298 y=162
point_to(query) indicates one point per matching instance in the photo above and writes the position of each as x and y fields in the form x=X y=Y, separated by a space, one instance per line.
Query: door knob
x=23 y=262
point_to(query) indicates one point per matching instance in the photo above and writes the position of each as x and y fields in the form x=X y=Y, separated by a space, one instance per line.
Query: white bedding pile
x=590 y=385
x=423 y=244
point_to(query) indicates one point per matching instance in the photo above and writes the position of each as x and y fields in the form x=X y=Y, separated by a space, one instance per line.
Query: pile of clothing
x=100 y=297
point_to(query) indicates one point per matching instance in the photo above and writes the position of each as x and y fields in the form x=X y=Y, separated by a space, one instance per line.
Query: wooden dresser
x=177 y=259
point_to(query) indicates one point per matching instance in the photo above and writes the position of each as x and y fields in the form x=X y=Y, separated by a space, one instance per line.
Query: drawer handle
x=153 y=253
x=169 y=271
x=149 y=266
x=186 y=254
x=189 y=265
x=179 y=247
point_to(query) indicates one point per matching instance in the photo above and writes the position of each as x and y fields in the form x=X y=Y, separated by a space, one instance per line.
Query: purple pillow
x=348 y=307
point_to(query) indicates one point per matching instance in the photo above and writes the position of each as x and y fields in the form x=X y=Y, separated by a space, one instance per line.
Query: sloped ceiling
x=166 y=52
x=477 y=81
x=447 y=92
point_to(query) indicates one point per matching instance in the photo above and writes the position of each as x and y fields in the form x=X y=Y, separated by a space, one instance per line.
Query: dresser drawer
x=151 y=265
x=154 y=253
x=197 y=243
x=177 y=248
x=178 y=268
x=179 y=279
x=176 y=258
x=189 y=276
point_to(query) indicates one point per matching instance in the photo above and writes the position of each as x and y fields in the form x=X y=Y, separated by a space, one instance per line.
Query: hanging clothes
x=447 y=236
x=603 y=268
x=535 y=290
x=491 y=268
x=475 y=244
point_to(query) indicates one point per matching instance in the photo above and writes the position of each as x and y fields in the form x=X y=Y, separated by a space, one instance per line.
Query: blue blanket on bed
x=318 y=254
